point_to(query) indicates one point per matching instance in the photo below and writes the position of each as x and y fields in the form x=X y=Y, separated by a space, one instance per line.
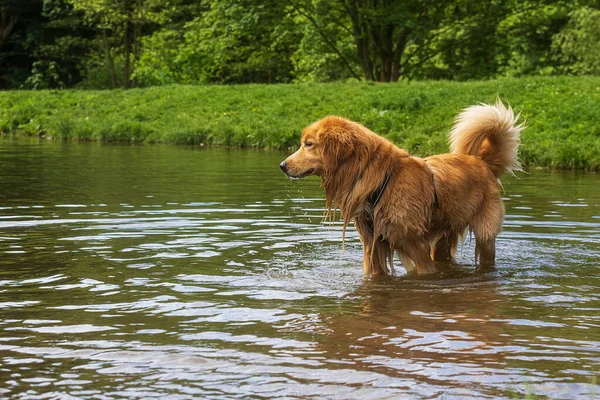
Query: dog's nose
x=283 y=166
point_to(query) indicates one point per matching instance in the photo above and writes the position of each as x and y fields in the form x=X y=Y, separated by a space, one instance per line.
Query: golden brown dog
x=418 y=207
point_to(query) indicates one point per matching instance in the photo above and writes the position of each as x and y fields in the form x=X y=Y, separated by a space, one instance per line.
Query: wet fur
x=429 y=203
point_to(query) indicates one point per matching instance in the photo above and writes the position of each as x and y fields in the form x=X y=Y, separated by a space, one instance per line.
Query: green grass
x=562 y=113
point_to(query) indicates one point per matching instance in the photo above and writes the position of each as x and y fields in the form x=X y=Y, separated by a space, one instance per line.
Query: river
x=178 y=272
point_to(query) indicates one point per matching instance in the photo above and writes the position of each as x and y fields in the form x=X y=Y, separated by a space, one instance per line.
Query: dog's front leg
x=366 y=238
x=419 y=254
x=375 y=252
x=368 y=267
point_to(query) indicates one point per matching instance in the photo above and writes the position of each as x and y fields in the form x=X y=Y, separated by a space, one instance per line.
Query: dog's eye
x=308 y=144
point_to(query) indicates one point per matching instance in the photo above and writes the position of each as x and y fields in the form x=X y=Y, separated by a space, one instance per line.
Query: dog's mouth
x=302 y=175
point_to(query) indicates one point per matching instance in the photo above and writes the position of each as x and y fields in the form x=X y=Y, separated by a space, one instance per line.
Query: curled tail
x=490 y=132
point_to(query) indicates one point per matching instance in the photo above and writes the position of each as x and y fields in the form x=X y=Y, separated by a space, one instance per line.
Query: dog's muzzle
x=284 y=168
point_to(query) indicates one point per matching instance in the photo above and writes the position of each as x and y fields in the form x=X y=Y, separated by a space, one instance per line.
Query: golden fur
x=428 y=204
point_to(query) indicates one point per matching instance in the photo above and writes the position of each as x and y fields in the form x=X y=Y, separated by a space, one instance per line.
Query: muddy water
x=153 y=271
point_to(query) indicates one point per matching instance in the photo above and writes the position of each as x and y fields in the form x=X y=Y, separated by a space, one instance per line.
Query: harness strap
x=379 y=192
x=374 y=199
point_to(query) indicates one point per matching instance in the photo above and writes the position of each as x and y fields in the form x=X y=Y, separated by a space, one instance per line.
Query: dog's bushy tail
x=490 y=132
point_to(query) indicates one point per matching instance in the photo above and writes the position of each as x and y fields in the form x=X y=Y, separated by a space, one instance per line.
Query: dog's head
x=324 y=146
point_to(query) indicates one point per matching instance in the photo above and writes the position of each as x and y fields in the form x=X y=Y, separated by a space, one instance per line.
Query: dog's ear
x=337 y=145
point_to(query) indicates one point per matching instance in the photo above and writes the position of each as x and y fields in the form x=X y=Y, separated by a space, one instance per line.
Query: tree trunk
x=365 y=59
x=136 y=50
x=127 y=46
x=360 y=39
x=398 y=52
x=137 y=34
x=8 y=23
x=109 y=60
x=386 y=52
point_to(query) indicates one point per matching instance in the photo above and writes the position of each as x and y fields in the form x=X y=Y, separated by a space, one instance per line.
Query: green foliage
x=579 y=42
x=100 y=44
x=44 y=75
x=527 y=35
x=561 y=114
x=165 y=61
x=326 y=50
x=230 y=41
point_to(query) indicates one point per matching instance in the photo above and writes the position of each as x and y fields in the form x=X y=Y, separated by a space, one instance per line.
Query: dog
x=419 y=208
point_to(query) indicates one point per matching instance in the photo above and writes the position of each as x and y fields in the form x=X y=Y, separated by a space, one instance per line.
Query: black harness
x=373 y=200
x=376 y=195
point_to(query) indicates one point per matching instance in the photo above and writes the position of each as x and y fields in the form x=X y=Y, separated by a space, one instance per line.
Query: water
x=154 y=271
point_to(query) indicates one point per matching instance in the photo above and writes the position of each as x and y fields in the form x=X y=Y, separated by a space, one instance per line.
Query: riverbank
x=562 y=114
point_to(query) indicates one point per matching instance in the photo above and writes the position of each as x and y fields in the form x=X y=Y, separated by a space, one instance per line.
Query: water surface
x=157 y=271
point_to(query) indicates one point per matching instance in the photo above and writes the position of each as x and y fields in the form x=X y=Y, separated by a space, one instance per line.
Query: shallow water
x=159 y=271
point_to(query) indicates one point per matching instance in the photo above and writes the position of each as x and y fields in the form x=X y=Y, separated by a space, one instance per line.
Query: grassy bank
x=563 y=114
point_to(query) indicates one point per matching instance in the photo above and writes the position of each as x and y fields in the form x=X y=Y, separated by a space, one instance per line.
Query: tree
x=11 y=11
x=391 y=38
x=464 y=46
x=578 y=44
x=119 y=23
x=20 y=25
x=227 y=41
x=526 y=35
x=325 y=51
x=126 y=43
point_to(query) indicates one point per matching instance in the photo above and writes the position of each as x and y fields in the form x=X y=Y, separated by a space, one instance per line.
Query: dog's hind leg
x=486 y=225
x=485 y=251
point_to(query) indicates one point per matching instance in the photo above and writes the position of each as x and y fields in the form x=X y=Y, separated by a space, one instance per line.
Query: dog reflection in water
x=419 y=208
